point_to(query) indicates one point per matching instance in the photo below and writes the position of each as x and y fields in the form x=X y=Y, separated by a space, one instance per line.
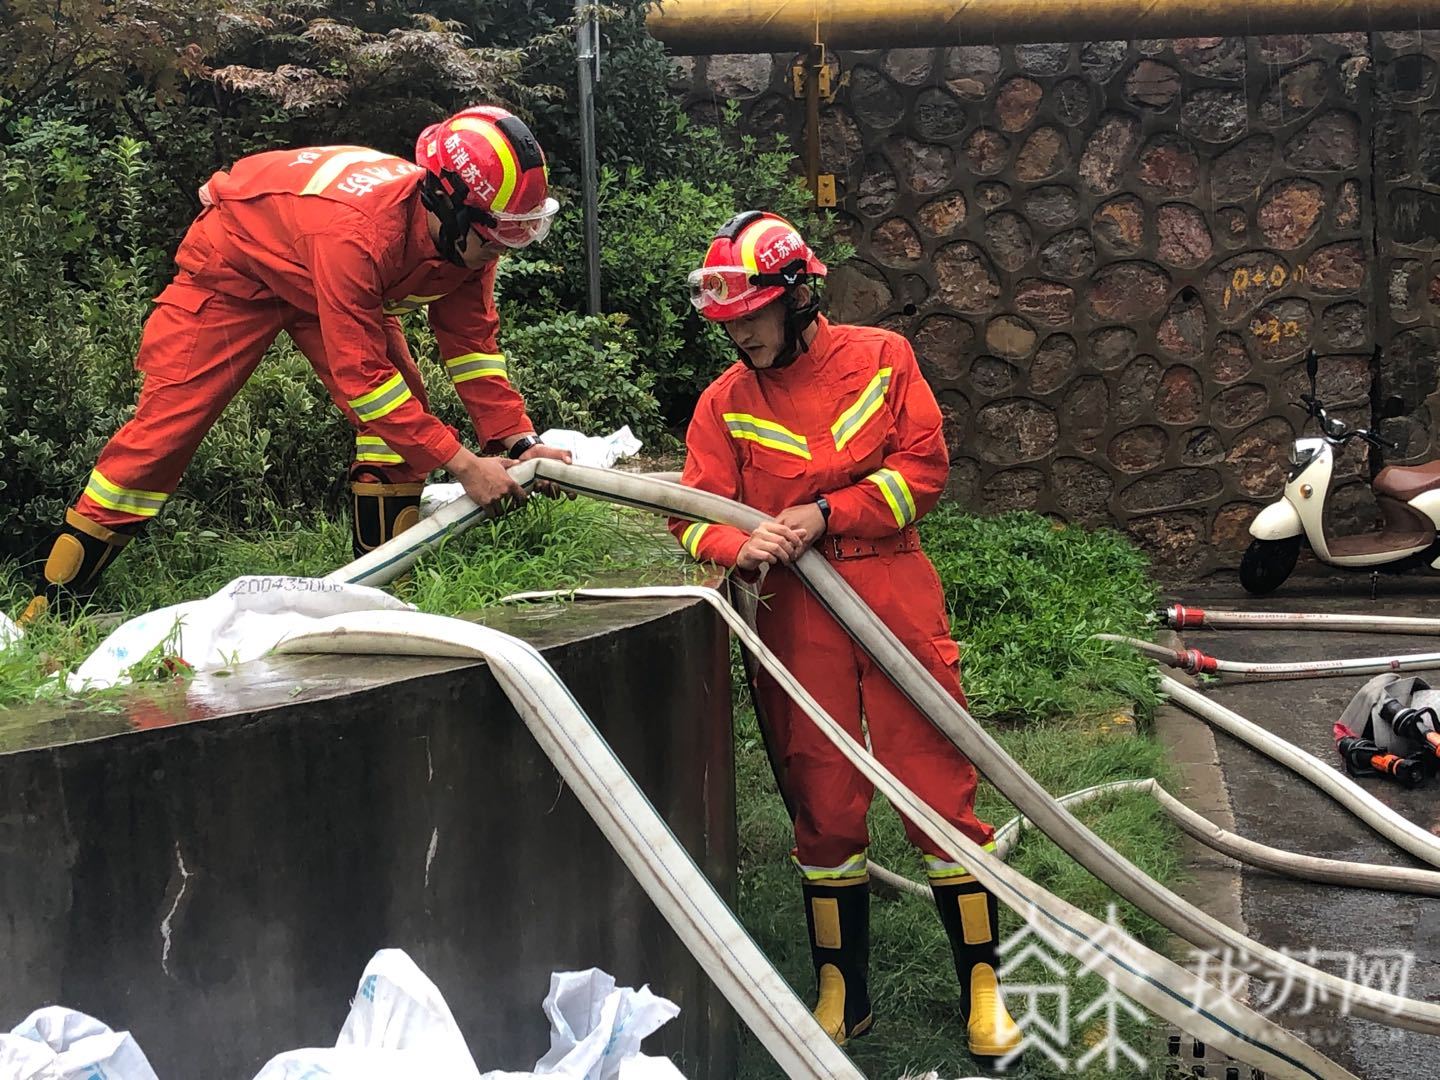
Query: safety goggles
x=521 y=230
x=719 y=285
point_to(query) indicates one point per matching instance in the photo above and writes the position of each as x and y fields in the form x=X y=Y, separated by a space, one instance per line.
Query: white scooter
x=1409 y=499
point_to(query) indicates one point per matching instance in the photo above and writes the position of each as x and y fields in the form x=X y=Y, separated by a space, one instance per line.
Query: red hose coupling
x=1195 y=662
x=1181 y=617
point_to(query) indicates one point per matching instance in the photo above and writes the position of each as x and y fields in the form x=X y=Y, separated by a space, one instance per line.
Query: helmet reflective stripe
x=503 y=151
x=751 y=240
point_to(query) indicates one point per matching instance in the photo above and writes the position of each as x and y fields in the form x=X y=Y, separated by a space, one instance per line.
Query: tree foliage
x=113 y=112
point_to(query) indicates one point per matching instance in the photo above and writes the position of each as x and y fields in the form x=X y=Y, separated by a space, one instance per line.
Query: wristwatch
x=522 y=444
x=824 y=505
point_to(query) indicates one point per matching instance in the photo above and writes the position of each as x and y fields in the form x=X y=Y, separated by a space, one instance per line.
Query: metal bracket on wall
x=827 y=72
x=825 y=190
x=815 y=77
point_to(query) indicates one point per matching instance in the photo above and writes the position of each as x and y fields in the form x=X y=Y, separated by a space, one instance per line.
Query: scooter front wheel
x=1267 y=563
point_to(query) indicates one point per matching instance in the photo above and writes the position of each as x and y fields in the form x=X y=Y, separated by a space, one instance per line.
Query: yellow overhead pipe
x=702 y=27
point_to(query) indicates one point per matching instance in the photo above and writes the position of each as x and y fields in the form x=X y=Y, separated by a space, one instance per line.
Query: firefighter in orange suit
x=833 y=431
x=331 y=244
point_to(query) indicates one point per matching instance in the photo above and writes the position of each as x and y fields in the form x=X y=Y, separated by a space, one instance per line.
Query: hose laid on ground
x=1388 y=823
x=1181 y=617
x=1404 y=879
x=1195 y=662
x=1276 y=860
x=1159 y=984
x=909 y=675
x=701 y=919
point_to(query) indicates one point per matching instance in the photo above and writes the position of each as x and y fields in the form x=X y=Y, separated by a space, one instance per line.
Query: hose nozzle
x=1364 y=758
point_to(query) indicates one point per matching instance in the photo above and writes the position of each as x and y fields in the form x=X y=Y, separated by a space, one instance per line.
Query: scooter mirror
x=1312 y=369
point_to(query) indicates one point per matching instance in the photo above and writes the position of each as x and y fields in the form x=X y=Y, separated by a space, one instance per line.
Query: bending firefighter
x=331 y=244
x=832 y=430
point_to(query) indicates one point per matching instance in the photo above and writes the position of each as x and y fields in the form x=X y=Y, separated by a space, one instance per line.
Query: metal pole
x=587 y=60
x=813 y=65
x=702 y=27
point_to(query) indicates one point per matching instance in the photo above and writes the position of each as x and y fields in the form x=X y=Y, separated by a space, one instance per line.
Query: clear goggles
x=719 y=285
x=520 y=230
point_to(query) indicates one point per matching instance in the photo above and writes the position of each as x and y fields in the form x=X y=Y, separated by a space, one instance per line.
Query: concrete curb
x=1215 y=881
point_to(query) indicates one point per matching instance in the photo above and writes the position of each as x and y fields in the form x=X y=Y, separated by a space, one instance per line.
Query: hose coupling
x=1180 y=617
x=1195 y=662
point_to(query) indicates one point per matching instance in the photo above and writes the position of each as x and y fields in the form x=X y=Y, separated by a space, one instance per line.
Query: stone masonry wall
x=1112 y=257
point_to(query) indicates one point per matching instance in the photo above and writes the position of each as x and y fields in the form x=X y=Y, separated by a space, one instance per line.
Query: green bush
x=576 y=371
x=72 y=308
x=76 y=285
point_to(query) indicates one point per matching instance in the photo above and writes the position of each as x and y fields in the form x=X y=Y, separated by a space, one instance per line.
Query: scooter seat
x=1404 y=482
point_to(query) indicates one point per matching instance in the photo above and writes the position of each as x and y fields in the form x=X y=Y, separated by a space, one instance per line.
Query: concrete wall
x=212 y=866
x=1112 y=256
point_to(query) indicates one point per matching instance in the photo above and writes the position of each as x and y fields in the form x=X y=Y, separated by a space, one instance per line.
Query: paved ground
x=1273 y=806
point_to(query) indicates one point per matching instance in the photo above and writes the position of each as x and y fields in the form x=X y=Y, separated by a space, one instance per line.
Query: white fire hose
x=1182 y=617
x=1191 y=923
x=672 y=879
x=1195 y=662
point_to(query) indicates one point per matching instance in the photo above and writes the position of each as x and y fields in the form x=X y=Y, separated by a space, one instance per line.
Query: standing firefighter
x=331 y=244
x=832 y=430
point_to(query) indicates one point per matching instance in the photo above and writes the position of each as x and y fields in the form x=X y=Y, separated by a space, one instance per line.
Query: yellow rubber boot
x=992 y=1031
x=971 y=919
x=838 y=916
x=380 y=511
x=78 y=554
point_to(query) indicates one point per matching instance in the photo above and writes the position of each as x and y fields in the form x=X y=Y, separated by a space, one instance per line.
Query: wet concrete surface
x=210 y=864
x=278 y=681
x=1369 y=936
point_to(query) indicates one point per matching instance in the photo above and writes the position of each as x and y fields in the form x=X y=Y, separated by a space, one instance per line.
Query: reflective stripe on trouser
x=829 y=796
x=940 y=870
x=195 y=353
x=855 y=868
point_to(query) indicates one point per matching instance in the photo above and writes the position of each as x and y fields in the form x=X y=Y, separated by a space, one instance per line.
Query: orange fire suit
x=851 y=419
x=329 y=244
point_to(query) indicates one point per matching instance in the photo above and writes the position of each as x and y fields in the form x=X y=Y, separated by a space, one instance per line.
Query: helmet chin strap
x=456 y=218
x=798 y=319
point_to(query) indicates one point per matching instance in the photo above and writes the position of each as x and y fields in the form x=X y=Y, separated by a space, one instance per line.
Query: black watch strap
x=522 y=444
x=824 y=505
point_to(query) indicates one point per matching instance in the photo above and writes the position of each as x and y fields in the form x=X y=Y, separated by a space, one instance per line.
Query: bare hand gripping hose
x=909 y=675
x=1150 y=979
x=590 y=768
